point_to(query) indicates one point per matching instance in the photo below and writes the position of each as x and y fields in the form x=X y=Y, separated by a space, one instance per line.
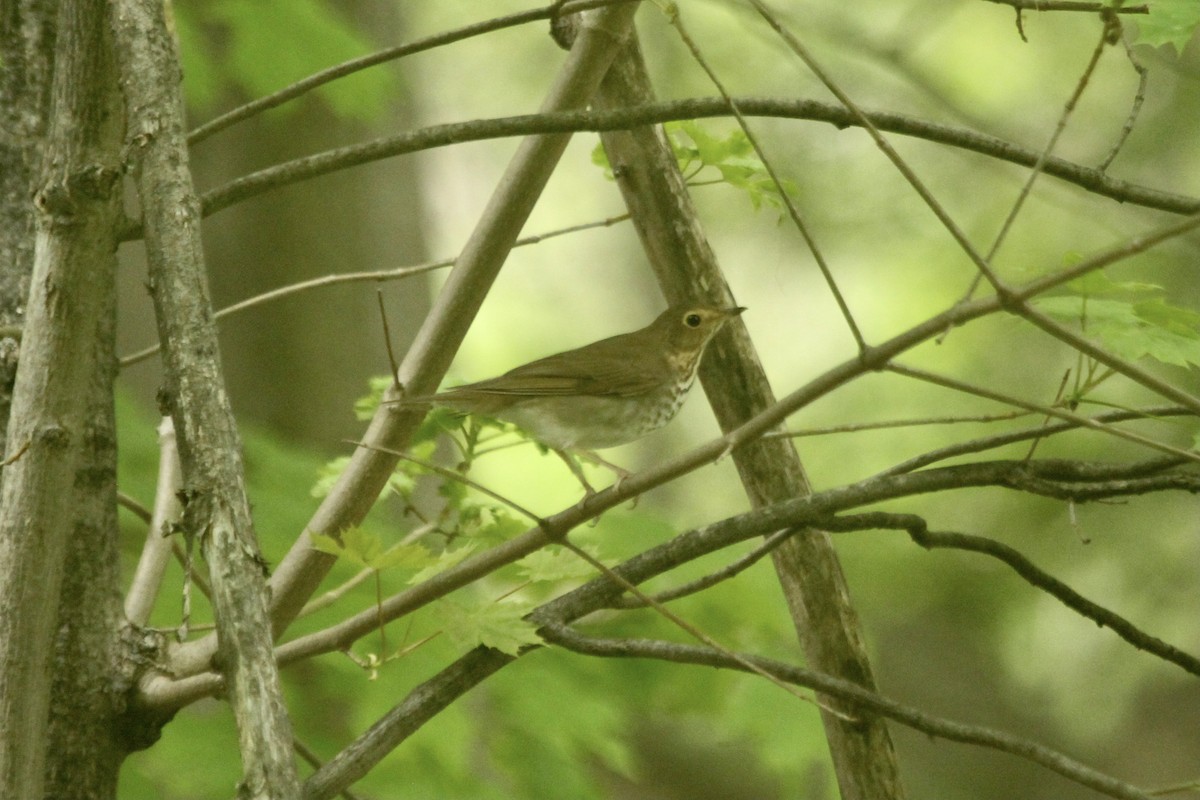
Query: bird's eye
x=692 y=320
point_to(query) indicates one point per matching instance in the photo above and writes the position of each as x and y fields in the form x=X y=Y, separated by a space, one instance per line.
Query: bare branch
x=1092 y=423
x=917 y=528
x=1042 y=431
x=1091 y=179
x=156 y=552
x=713 y=578
x=1071 y=5
x=1054 y=760
x=376 y=276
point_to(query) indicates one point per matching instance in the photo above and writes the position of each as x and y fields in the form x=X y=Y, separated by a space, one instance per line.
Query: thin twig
x=857 y=427
x=1070 y=5
x=696 y=632
x=1138 y=98
x=306 y=85
x=881 y=142
x=809 y=239
x=314 y=761
x=450 y=474
x=1043 y=157
x=1000 y=440
x=1078 y=419
x=132 y=504
x=377 y=276
x=918 y=530
x=713 y=578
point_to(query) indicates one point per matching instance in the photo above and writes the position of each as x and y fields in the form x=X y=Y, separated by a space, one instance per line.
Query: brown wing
x=607 y=368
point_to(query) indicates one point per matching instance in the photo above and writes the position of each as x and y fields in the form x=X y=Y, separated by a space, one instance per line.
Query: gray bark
x=56 y=495
x=770 y=469
x=217 y=510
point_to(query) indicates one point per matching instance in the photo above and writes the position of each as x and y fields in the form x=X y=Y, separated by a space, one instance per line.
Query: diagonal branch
x=1066 y=480
x=303 y=568
x=737 y=388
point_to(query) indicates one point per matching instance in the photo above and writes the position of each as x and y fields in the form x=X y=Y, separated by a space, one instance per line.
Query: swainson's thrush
x=603 y=394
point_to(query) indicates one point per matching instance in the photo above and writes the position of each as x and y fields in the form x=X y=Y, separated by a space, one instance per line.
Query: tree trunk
x=770 y=469
x=57 y=494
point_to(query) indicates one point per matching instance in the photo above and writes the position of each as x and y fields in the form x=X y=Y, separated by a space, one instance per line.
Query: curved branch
x=918 y=530
x=1090 y=179
x=437 y=693
x=1069 y=768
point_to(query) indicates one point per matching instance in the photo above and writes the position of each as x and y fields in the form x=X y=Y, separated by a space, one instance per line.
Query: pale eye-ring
x=692 y=320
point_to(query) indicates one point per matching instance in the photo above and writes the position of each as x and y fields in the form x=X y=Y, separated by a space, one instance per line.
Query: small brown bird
x=603 y=394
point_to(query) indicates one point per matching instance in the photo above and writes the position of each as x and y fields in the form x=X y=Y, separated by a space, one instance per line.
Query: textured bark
x=26 y=52
x=770 y=469
x=217 y=509
x=56 y=497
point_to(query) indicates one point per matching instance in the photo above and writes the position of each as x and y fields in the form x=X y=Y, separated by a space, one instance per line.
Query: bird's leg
x=576 y=470
x=620 y=472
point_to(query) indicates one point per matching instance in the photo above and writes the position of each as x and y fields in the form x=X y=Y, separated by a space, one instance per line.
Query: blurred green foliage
x=236 y=48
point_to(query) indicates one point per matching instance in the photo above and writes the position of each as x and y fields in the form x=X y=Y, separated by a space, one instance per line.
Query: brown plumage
x=603 y=394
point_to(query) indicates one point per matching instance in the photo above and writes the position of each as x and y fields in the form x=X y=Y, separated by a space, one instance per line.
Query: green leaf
x=1172 y=22
x=555 y=564
x=327 y=476
x=1182 y=321
x=600 y=159
x=326 y=544
x=1149 y=328
x=499 y=625
x=366 y=550
x=1098 y=284
x=445 y=560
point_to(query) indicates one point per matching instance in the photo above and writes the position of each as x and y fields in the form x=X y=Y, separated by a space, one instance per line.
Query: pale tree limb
x=216 y=509
x=156 y=551
x=303 y=568
x=62 y=370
